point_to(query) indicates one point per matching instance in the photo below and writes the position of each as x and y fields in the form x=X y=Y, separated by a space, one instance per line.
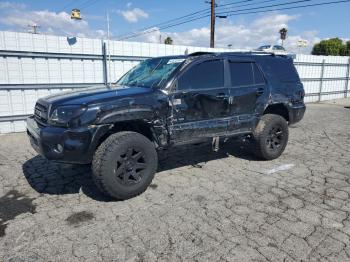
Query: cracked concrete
x=201 y=206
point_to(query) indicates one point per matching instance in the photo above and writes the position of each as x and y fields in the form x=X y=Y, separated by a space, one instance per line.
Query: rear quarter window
x=245 y=74
x=281 y=68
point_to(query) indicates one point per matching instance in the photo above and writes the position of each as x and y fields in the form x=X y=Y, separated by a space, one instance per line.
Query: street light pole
x=212 y=24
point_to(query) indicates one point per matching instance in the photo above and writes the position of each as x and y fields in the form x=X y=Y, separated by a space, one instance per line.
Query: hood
x=95 y=94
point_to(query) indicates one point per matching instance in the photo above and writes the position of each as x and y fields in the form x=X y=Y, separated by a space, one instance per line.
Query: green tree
x=333 y=46
x=345 y=51
x=168 y=41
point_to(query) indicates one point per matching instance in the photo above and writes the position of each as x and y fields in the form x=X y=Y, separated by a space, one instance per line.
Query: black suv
x=168 y=101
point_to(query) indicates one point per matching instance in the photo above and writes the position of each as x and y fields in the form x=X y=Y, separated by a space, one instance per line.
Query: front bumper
x=296 y=112
x=63 y=144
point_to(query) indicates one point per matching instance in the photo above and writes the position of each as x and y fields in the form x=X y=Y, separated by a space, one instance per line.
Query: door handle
x=260 y=91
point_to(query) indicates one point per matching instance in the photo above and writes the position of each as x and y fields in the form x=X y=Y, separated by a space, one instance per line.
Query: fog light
x=59 y=148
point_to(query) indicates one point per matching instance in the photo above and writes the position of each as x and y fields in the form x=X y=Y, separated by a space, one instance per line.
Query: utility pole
x=34 y=28
x=212 y=24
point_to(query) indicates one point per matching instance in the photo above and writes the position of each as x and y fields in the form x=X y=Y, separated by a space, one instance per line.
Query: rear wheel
x=124 y=165
x=270 y=136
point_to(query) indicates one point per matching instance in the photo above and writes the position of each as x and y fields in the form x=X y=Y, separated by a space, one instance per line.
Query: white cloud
x=17 y=16
x=263 y=30
x=242 y=35
x=133 y=15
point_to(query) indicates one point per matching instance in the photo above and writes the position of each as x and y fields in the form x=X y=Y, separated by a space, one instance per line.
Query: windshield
x=151 y=72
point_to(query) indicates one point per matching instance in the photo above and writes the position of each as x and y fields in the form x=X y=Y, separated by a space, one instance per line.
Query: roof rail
x=201 y=53
x=243 y=53
x=288 y=55
x=253 y=53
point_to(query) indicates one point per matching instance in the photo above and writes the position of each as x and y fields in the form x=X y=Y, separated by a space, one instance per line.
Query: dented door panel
x=199 y=113
x=200 y=103
x=248 y=92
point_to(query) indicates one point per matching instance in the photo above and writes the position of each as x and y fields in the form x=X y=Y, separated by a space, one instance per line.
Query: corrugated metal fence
x=324 y=77
x=32 y=66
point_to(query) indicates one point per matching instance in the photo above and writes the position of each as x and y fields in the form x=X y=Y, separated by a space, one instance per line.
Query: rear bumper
x=65 y=145
x=296 y=112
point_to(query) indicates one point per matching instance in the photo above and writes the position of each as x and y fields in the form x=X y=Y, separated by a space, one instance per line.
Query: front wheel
x=270 y=136
x=124 y=165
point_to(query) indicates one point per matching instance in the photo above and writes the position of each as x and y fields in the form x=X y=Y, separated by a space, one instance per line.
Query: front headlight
x=63 y=115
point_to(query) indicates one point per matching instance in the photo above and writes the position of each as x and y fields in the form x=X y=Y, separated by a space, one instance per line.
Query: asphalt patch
x=13 y=204
x=79 y=217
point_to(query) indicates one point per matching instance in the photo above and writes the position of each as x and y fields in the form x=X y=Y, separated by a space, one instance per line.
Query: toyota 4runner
x=168 y=101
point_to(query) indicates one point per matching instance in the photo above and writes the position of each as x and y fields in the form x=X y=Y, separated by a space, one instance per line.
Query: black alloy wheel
x=130 y=166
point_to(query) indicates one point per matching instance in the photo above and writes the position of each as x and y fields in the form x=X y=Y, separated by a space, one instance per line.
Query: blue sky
x=243 y=31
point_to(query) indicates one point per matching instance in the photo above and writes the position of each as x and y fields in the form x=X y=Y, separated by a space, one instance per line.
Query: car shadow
x=52 y=178
x=196 y=155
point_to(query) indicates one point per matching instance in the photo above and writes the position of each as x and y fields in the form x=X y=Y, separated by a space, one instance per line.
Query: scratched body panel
x=206 y=95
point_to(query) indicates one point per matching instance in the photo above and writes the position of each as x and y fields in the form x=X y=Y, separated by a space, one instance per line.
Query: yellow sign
x=75 y=14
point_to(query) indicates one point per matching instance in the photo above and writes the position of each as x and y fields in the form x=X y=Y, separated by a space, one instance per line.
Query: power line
x=203 y=16
x=83 y=5
x=88 y=3
x=191 y=15
x=165 y=27
x=266 y=1
x=237 y=12
x=232 y=3
x=266 y=6
x=292 y=7
x=67 y=5
x=166 y=22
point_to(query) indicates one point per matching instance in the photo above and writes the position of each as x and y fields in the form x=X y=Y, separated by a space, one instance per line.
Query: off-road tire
x=263 y=135
x=105 y=170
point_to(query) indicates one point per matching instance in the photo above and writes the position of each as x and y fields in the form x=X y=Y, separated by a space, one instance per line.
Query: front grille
x=40 y=114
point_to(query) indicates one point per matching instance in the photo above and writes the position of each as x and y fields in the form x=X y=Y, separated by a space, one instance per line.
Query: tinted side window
x=241 y=74
x=282 y=68
x=278 y=47
x=208 y=74
x=258 y=77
